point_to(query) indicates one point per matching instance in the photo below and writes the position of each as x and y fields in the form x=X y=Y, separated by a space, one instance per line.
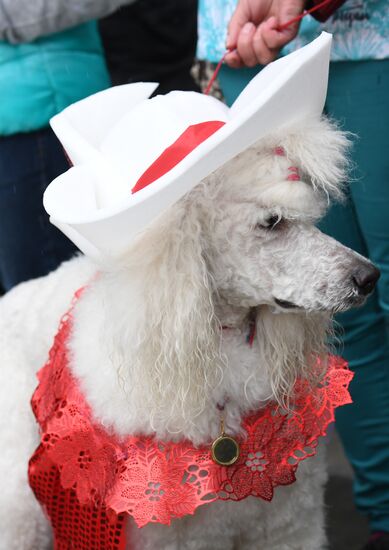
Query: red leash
x=303 y=14
x=215 y=73
x=280 y=28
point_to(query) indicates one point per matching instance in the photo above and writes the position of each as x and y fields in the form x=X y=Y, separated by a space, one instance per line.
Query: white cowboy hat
x=134 y=157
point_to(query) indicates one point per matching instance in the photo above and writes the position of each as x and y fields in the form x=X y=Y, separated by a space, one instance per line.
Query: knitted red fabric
x=88 y=480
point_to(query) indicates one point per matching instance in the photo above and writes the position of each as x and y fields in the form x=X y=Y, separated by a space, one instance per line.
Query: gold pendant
x=225 y=449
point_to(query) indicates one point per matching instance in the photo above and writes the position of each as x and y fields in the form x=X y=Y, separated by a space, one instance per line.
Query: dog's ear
x=320 y=149
x=171 y=328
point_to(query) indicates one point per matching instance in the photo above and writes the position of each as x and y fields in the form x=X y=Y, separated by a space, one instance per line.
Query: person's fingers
x=263 y=53
x=273 y=32
x=276 y=38
x=237 y=21
x=251 y=49
x=288 y=9
x=233 y=59
x=245 y=45
x=255 y=40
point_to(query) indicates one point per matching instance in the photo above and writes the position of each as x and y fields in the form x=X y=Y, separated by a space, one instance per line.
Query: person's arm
x=254 y=30
x=26 y=20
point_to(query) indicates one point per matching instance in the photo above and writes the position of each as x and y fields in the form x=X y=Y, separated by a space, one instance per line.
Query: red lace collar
x=156 y=481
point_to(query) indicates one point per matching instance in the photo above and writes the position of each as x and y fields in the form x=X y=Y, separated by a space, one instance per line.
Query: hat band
x=191 y=138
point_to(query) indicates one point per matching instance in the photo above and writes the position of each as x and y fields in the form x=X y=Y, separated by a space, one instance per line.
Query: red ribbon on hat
x=191 y=138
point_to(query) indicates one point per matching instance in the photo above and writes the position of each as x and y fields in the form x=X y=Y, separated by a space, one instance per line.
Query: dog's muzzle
x=360 y=282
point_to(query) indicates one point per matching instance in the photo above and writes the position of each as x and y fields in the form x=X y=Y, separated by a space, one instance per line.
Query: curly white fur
x=148 y=346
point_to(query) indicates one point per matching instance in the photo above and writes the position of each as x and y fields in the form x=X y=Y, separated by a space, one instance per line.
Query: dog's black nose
x=365 y=278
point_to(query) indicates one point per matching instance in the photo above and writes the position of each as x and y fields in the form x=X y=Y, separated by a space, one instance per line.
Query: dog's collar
x=252 y=327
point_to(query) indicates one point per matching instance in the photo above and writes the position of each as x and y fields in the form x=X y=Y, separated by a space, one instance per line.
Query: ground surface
x=347 y=529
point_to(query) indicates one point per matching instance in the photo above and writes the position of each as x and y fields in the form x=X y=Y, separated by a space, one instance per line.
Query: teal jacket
x=40 y=78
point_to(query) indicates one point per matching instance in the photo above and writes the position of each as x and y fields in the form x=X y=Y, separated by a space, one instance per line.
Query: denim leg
x=363 y=425
x=29 y=245
x=358 y=96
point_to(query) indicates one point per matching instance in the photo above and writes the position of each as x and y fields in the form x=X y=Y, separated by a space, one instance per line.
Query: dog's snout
x=365 y=278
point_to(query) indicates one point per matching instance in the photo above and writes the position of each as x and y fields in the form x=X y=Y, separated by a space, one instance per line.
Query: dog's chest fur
x=118 y=395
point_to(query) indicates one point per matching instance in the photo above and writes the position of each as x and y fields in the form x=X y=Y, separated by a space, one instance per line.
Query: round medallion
x=225 y=450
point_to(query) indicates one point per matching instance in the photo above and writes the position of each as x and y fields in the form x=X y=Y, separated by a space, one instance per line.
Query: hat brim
x=287 y=91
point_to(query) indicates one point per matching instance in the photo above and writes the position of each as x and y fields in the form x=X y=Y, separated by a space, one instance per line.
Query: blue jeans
x=358 y=97
x=29 y=245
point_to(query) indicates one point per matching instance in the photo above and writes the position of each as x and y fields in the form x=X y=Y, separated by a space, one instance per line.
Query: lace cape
x=85 y=475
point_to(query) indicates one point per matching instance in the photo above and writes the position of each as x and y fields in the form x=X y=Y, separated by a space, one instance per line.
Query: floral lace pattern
x=156 y=481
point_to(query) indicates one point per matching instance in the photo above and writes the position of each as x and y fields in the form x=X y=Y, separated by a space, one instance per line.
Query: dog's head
x=244 y=238
x=260 y=216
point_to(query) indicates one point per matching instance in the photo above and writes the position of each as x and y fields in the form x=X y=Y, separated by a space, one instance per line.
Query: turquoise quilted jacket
x=40 y=78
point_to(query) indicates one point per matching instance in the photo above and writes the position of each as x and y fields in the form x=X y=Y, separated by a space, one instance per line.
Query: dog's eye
x=270 y=222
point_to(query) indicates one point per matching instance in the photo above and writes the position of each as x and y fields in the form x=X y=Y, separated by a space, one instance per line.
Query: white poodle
x=159 y=338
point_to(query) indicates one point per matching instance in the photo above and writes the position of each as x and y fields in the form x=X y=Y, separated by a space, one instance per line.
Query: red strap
x=215 y=73
x=324 y=4
x=177 y=151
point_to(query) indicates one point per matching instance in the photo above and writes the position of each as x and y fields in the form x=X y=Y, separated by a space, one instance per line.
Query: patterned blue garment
x=360 y=29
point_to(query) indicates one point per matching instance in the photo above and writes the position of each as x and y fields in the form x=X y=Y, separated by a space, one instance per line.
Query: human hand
x=254 y=34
